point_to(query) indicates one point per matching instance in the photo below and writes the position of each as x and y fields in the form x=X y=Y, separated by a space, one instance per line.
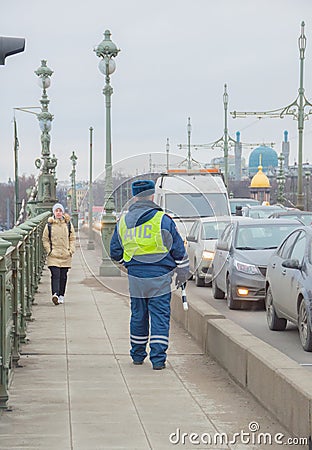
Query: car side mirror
x=223 y=245
x=239 y=211
x=190 y=238
x=291 y=264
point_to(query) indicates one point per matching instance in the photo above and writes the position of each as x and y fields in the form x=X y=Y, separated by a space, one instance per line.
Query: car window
x=306 y=219
x=196 y=231
x=261 y=237
x=193 y=229
x=227 y=234
x=242 y=203
x=298 y=249
x=197 y=204
x=213 y=230
x=285 y=250
x=310 y=251
x=261 y=213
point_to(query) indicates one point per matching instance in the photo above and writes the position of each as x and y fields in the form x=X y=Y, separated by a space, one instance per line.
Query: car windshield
x=246 y=202
x=213 y=230
x=262 y=212
x=262 y=237
x=305 y=218
x=197 y=204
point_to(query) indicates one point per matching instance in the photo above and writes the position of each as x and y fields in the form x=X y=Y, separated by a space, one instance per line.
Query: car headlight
x=250 y=269
x=208 y=255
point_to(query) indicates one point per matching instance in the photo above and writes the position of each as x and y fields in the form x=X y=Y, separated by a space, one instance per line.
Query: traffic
x=251 y=258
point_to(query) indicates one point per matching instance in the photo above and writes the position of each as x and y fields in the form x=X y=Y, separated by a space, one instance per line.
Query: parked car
x=289 y=285
x=261 y=211
x=305 y=217
x=241 y=258
x=240 y=203
x=200 y=245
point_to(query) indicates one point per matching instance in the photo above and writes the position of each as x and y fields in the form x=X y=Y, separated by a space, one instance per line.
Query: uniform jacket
x=63 y=242
x=145 y=266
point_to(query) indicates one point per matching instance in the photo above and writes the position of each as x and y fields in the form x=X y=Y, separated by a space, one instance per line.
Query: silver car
x=261 y=211
x=201 y=242
x=241 y=258
x=289 y=285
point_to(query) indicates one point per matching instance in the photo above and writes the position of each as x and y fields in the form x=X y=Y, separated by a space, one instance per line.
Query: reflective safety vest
x=146 y=239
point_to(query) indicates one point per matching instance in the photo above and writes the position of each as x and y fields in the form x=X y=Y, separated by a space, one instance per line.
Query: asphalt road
x=254 y=321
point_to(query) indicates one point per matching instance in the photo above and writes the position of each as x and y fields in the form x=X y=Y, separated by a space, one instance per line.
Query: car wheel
x=275 y=323
x=232 y=304
x=304 y=326
x=216 y=292
x=199 y=281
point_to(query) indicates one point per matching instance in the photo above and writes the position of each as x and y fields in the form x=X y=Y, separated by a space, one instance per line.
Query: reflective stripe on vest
x=146 y=239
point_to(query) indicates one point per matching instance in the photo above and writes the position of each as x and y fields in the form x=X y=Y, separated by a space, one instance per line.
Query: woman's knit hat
x=56 y=206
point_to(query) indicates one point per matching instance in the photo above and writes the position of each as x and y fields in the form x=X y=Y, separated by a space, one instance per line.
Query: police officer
x=147 y=242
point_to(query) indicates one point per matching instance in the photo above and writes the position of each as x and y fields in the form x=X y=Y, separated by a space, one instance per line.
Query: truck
x=186 y=195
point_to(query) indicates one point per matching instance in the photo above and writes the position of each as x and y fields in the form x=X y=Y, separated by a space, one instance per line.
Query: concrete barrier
x=279 y=383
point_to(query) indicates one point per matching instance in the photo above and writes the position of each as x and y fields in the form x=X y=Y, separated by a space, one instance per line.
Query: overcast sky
x=175 y=58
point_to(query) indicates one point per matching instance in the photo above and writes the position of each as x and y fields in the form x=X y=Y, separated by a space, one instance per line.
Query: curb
x=279 y=383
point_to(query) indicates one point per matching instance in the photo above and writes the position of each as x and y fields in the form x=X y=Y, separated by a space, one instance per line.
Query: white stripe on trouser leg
x=159 y=339
x=138 y=339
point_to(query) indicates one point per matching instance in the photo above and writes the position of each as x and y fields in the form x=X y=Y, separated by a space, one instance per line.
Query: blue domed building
x=265 y=156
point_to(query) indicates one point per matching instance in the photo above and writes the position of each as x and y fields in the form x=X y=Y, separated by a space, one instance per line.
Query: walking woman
x=59 y=242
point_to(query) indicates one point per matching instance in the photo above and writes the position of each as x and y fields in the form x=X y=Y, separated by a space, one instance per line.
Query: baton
x=184 y=300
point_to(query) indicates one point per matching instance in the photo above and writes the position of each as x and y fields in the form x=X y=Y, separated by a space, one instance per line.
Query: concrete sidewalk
x=77 y=388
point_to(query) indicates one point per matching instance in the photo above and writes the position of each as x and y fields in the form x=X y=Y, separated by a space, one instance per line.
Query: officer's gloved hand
x=182 y=278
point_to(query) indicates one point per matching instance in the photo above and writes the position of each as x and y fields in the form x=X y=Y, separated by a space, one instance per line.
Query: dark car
x=241 y=258
x=289 y=285
x=236 y=204
x=304 y=217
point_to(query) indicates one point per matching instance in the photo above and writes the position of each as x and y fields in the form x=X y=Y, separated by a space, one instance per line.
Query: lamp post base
x=90 y=245
x=74 y=219
x=107 y=267
x=300 y=204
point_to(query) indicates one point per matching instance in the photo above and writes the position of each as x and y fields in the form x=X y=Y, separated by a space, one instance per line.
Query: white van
x=188 y=194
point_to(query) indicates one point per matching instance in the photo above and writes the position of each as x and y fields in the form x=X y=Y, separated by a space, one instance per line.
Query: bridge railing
x=22 y=259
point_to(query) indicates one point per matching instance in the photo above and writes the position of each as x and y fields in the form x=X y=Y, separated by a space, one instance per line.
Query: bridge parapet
x=22 y=259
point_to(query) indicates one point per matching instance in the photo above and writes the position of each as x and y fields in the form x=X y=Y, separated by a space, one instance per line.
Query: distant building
x=269 y=160
x=219 y=163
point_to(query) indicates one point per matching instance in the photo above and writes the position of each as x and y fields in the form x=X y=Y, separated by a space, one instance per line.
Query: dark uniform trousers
x=150 y=317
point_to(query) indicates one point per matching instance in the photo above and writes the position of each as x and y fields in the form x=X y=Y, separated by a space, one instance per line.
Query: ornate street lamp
x=74 y=211
x=189 y=160
x=47 y=185
x=43 y=195
x=90 y=245
x=295 y=109
x=107 y=51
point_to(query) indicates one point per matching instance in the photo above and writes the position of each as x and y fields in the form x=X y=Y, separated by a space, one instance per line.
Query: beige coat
x=63 y=246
